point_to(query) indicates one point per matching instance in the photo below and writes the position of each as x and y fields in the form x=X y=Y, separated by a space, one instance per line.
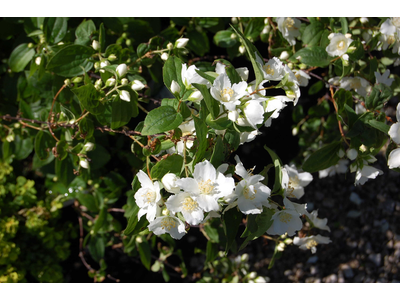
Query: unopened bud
x=112 y=57
x=351 y=49
x=164 y=56
x=295 y=131
x=124 y=95
x=122 y=70
x=137 y=85
x=348 y=35
x=284 y=55
x=303 y=66
x=340 y=153
x=195 y=96
x=67 y=82
x=84 y=163
x=182 y=42
x=364 y=20
x=170 y=46
x=128 y=42
x=95 y=45
x=88 y=146
x=290 y=65
x=233 y=36
x=110 y=82
x=97 y=65
x=175 y=88
x=242 y=49
x=77 y=80
x=31 y=45
x=266 y=29
x=99 y=82
x=234 y=20
x=124 y=81
x=363 y=148
x=352 y=154
x=38 y=60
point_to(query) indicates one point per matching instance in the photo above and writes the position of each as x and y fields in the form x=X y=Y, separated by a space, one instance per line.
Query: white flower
x=182 y=42
x=311 y=242
x=246 y=137
x=207 y=186
x=275 y=104
x=384 y=78
x=302 y=77
x=137 y=85
x=147 y=197
x=226 y=93
x=290 y=28
x=88 y=146
x=164 y=56
x=364 y=20
x=189 y=76
x=394 y=159
x=286 y=220
x=84 y=163
x=352 y=153
x=122 y=70
x=175 y=88
x=318 y=223
x=294 y=182
x=284 y=55
x=273 y=70
x=394 y=131
x=252 y=194
x=95 y=45
x=110 y=82
x=243 y=72
x=103 y=64
x=338 y=45
x=169 y=183
x=124 y=95
x=360 y=85
x=170 y=224
x=367 y=172
x=390 y=26
x=189 y=207
x=253 y=114
x=340 y=167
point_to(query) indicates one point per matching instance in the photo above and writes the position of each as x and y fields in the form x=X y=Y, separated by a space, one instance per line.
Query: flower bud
x=137 y=85
x=284 y=55
x=351 y=49
x=164 y=56
x=128 y=42
x=331 y=36
x=242 y=49
x=97 y=65
x=124 y=95
x=348 y=35
x=124 y=81
x=266 y=29
x=364 y=20
x=95 y=45
x=67 y=82
x=295 y=131
x=182 y=42
x=175 y=88
x=84 y=163
x=17 y=125
x=233 y=115
x=10 y=137
x=77 y=80
x=290 y=65
x=352 y=153
x=252 y=275
x=245 y=257
x=363 y=148
x=233 y=36
x=340 y=153
x=30 y=45
x=112 y=57
x=88 y=146
x=303 y=66
x=99 y=82
x=38 y=60
x=170 y=46
x=169 y=183
x=110 y=82
x=195 y=96
x=104 y=63
x=122 y=70
x=234 y=20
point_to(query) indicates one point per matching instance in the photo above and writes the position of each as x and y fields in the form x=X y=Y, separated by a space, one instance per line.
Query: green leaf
x=220 y=124
x=172 y=164
x=358 y=53
x=87 y=200
x=44 y=142
x=230 y=70
x=278 y=170
x=198 y=42
x=312 y=34
x=183 y=108
x=322 y=158
x=223 y=39
x=206 y=76
x=64 y=171
x=20 y=57
x=345 y=25
x=62 y=149
x=72 y=60
x=145 y=253
x=252 y=52
x=380 y=94
x=86 y=128
x=89 y=98
x=201 y=137
x=84 y=31
x=316 y=87
x=211 y=251
x=218 y=155
x=257 y=225
x=230 y=221
x=22 y=147
x=343 y=97
x=99 y=157
x=319 y=110
x=101 y=220
x=379 y=125
x=161 y=119
x=232 y=137
x=172 y=70
x=121 y=112
x=97 y=247
x=102 y=38
x=212 y=104
x=55 y=29
x=313 y=56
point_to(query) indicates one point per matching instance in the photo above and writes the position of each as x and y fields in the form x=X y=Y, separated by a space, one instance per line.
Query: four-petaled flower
x=168 y=224
x=311 y=242
x=147 y=197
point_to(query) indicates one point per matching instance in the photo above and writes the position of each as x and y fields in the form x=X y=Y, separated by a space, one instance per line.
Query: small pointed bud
x=364 y=20
x=137 y=85
x=67 y=82
x=175 y=88
x=99 y=82
x=330 y=36
x=77 y=80
x=352 y=154
x=234 y=20
x=112 y=57
x=122 y=70
x=88 y=146
x=104 y=63
x=30 y=45
x=351 y=49
x=124 y=81
x=84 y=163
x=266 y=29
x=290 y=65
x=128 y=42
x=164 y=56
x=233 y=36
x=38 y=60
x=181 y=43
x=242 y=49
x=363 y=148
x=124 y=95
x=10 y=137
x=170 y=46
x=303 y=66
x=284 y=55
x=195 y=96
x=95 y=45
x=295 y=131
x=97 y=65
x=110 y=82
x=340 y=153
x=348 y=35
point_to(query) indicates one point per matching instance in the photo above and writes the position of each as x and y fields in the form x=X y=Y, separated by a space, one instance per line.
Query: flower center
x=396 y=22
x=289 y=23
x=190 y=205
x=390 y=39
x=249 y=194
x=168 y=223
x=341 y=45
x=150 y=196
x=311 y=243
x=226 y=94
x=269 y=70
x=206 y=187
x=285 y=217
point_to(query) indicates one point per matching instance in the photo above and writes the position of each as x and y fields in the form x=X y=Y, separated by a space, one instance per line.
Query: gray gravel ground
x=365 y=233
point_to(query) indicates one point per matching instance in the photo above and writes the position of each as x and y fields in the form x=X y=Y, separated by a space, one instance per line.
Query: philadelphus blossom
x=168 y=224
x=339 y=43
x=294 y=182
x=286 y=220
x=243 y=72
x=273 y=70
x=318 y=223
x=384 y=78
x=181 y=43
x=275 y=104
x=360 y=85
x=189 y=207
x=226 y=93
x=169 y=183
x=302 y=77
x=251 y=194
x=340 y=167
x=311 y=242
x=187 y=128
x=366 y=172
x=124 y=95
x=253 y=114
x=290 y=29
x=137 y=85
x=147 y=197
x=207 y=186
x=394 y=133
